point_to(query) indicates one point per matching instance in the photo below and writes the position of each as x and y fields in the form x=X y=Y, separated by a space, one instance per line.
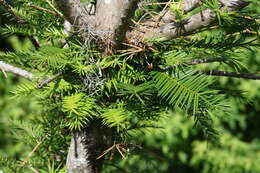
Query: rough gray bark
x=78 y=16
x=172 y=29
x=112 y=18
x=86 y=146
x=20 y=72
x=77 y=157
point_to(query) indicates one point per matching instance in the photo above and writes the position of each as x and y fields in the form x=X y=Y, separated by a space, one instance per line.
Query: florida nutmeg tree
x=104 y=69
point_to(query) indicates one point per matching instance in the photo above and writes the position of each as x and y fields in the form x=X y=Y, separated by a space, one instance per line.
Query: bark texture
x=169 y=29
x=86 y=146
x=112 y=18
x=15 y=70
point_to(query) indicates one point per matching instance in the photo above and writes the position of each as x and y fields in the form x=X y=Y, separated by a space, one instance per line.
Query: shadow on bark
x=87 y=145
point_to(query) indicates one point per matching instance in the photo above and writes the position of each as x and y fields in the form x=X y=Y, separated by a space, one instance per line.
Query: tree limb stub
x=15 y=70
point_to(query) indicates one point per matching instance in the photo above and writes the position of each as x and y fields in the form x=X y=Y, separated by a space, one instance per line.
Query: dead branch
x=113 y=18
x=231 y=74
x=48 y=80
x=195 y=62
x=15 y=70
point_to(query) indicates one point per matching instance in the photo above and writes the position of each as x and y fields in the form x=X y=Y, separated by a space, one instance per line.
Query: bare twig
x=48 y=80
x=231 y=74
x=55 y=13
x=34 y=149
x=15 y=70
x=53 y=7
x=195 y=62
x=33 y=169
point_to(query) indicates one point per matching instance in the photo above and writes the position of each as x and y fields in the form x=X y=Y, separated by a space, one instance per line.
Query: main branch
x=172 y=29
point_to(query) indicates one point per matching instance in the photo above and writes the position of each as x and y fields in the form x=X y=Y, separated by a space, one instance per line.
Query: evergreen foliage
x=129 y=93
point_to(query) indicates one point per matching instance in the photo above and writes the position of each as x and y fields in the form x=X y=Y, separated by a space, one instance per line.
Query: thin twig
x=15 y=70
x=48 y=80
x=147 y=150
x=195 y=62
x=118 y=149
x=55 y=9
x=231 y=74
x=55 y=13
x=34 y=149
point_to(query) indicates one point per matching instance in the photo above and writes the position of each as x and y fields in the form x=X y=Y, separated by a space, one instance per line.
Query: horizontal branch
x=189 y=25
x=15 y=70
x=231 y=74
x=195 y=62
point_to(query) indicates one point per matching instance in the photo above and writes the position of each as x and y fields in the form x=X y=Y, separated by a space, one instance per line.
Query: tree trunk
x=86 y=146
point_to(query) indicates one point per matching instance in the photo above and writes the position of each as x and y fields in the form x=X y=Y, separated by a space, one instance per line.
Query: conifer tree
x=105 y=69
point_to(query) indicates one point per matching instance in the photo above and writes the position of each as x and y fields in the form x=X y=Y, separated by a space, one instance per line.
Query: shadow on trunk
x=87 y=145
